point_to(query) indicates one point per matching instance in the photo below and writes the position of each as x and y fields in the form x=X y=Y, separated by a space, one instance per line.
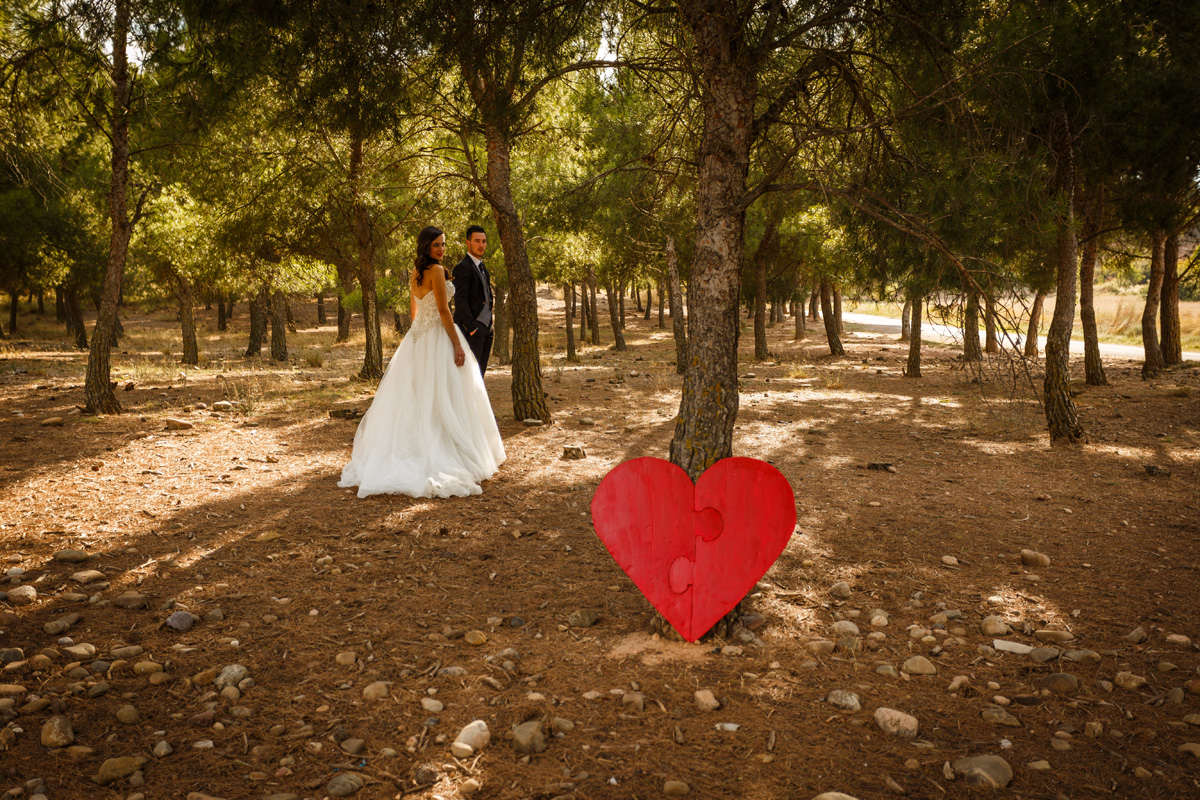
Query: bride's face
x=437 y=248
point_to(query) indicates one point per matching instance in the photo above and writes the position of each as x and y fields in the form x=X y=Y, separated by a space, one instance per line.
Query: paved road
x=948 y=333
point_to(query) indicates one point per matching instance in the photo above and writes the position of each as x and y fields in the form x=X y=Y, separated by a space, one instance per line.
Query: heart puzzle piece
x=694 y=551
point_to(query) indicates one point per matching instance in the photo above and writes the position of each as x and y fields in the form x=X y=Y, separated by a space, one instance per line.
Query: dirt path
x=321 y=596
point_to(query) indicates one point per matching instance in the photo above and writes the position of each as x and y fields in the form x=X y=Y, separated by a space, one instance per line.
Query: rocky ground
x=192 y=608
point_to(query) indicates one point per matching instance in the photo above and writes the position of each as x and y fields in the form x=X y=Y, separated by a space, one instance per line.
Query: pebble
x=346 y=659
x=114 y=769
x=847 y=701
x=706 y=701
x=72 y=556
x=528 y=737
x=182 y=621
x=1005 y=646
x=57 y=732
x=231 y=675
x=583 y=618
x=994 y=625
x=1127 y=680
x=998 y=716
x=820 y=647
x=344 y=784
x=470 y=786
x=1061 y=683
x=163 y=749
x=988 y=771
x=473 y=737
x=1190 y=748
x=959 y=682
x=950 y=561
x=841 y=589
x=633 y=700
x=1136 y=636
x=177 y=424
x=1039 y=766
x=1047 y=635
x=1044 y=654
x=1179 y=639
x=353 y=746
x=1082 y=656
x=1032 y=558
x=22 y=595
x=919 y=665
x=131 y=600
x=147 y=668
x=844 y=627
x=377 y=690
x=834 y=796
x=675 y=788
x=887 y=670
x=475 y=638
x=128 y=715
x=896 y=723
x=88 y=576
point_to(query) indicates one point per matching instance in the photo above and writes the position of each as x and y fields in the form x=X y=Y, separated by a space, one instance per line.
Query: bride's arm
x=443 y=304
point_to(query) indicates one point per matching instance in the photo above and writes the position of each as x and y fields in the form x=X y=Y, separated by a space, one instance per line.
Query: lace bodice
x=427 y=313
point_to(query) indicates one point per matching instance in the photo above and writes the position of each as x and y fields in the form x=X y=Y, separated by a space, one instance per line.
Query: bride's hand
x=460 y=357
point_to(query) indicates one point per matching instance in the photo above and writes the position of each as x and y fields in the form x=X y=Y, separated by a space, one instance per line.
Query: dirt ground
x=240 y=513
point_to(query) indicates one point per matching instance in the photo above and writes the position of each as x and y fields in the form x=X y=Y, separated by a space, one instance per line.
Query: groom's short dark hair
x=473 y=229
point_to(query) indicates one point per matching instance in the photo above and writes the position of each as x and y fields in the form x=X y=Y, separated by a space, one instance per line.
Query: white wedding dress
x=430 y=431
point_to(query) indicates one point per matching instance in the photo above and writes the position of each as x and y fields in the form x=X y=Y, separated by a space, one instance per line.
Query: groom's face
x=477 y=244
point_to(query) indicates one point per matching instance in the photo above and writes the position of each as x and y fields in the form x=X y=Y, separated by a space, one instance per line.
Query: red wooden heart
x=694 y=551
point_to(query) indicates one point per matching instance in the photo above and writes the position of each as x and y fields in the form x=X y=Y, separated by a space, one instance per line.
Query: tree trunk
x=912 y=368
x=709 y=403
x=1093 y=218
x=906 y=320
x=621 y=304
x=222 y=319
x=401 y=321
x=41 y=303
x=637 y=296
x=322 y=319
x=612 y=289
x=831 y=328
x=60 y=308
x=593 y=314
x=259 y=311
x=814 y=300
x=1061 y=416
x=372 y=368
x=761 y=253
x=187 y=318
x=662 y=322
x=678 y=323
x=1153 y=363
x=232 y=300
x=74 y=314
x=1035 y=324
x=291 y=320
x=345 y=286
x=569 y=303
x=502 y=314
x=98 y=388
x=991 y=339
x=583 y=309
x=1172 y=337
x=971 y=349
x=837 y=308
x=798 y=316
x=12 y=312
x=278 y=326
x=649 y=302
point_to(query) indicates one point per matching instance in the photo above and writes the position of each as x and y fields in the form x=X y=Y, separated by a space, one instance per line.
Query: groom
x=473 y=297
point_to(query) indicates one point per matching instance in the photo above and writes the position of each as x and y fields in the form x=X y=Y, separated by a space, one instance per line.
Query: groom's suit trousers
x=481 y=346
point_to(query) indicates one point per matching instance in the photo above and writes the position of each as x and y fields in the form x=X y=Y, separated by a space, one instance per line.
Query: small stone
x=847 y=701
x=222 y=405
x=1032 y=558
x=128 y=715
x=475 y=638
x=432 y=705
x=706 y=701
x=216 y=615
x=88 y=576
x=1190 y=748
x=1179 y=639
x=1136 y=636
x=950 y=561
x=72 y=556
x=633 y=700
x=896 y=723
x=841 y=589
x=131 y=600
x=114 y=769
x=1127 y=680
x=1005 y=646
x=994 y=625
x=80 y=651
x=163 y=749
x=52 y=422
x=182 y=621
x=959 y=682
x=347 y=659
x=1142 y=773
x=57 y=732
x=573 y=452
x=231 y=675
x=177 y=424
x=377 y=690
x=1082 y=656
x=470 y=786
x=344 y=784
x=1061 y=683
x=147 y=668
x=1039 y=766
x=820 y=647
x=474 y=735
x=583 y=618
x=675 y=788
x=61 y=625
x=1053 y=636
x=919 y=665
x=988 y=771
x=844 y=627
x=1175 y=695
x=528 y=737
x=998 y=716
x=22 y=595
x=353 y=746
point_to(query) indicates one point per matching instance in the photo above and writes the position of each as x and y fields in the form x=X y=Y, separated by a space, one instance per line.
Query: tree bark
x=1035 y=324
x=279 y=326
x=1062 y=418
x=322 y=319
x=291 y=319
x=637 y=296
x=74 y=315
x=401 y=321
x=222 y=319
x=593 y=314
x=13 y=307
x=814 y=301
x=678 y=323
x=971 y=349
x=569 y=303
x=259 y=311
x=583 y=309
x=1153 y=363
x=837 y=307
x=372 y=368
x=912 y=368
x=766 y=246
x=831 y=328
x=649 y=302
x=187 y=318
x=98 y=388
x=799 y=306
x=662 y=322
x=1172 y=335
x=503 y=325
x=612 y=289
x=1093 y=218
x=728 y=73
x=906 y=320
x=345 y=286
x=991 y=340
x=621 y=304
x=529 y=401
x=60 y=308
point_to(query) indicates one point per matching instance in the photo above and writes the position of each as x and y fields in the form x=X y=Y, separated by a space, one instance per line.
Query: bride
x=429 y=431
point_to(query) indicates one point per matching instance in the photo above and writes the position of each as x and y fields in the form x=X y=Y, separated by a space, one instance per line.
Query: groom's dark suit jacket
x=470 y=297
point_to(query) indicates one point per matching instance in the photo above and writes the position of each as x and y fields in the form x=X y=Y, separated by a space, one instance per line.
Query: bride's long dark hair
x=423 y=260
